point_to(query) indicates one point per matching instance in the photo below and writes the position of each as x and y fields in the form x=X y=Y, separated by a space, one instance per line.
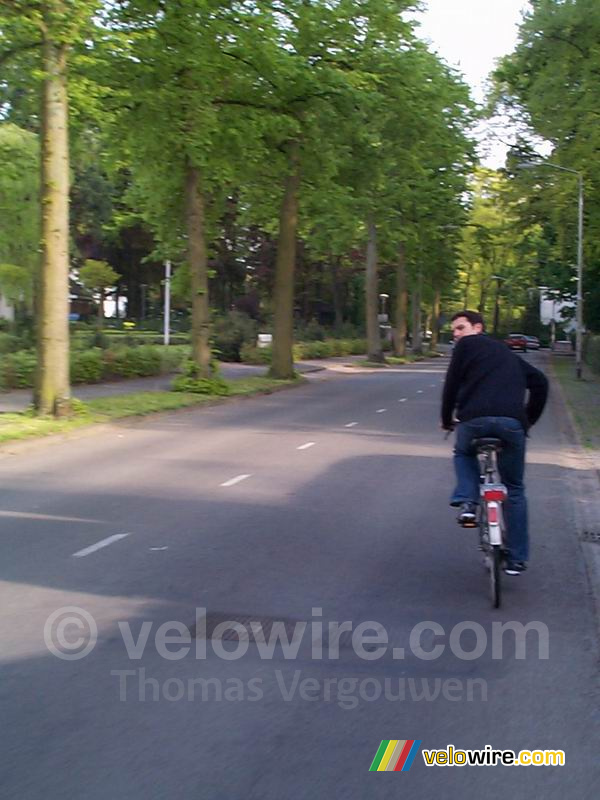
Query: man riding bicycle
x=486 y=387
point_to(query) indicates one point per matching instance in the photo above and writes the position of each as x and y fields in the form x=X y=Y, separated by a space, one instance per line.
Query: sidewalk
x=18 y=400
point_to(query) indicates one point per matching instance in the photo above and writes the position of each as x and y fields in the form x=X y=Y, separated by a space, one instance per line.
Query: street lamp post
x=579 y=309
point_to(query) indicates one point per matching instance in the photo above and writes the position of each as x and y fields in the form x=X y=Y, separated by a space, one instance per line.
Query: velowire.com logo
x=395 y=755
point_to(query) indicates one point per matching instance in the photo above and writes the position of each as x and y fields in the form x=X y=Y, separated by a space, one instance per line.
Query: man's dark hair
x=474 y=317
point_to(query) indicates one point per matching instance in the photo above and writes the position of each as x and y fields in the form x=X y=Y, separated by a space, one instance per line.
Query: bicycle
x=493 y=493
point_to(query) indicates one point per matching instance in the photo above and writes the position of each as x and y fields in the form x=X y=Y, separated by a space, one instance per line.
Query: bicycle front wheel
x=495 y=556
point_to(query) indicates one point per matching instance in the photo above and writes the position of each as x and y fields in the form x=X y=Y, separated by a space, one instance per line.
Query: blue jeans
x=511 y=463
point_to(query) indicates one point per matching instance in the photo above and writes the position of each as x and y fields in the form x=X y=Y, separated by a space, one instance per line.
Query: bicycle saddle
x=486 y=443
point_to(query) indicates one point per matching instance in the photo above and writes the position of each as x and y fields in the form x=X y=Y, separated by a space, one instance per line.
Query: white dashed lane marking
x=237 y=479
x=99 y=545
x=350 y=424
x=305 y=446
x=381 y=410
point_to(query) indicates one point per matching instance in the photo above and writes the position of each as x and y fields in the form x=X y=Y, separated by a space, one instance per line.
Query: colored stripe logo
x=395 y=755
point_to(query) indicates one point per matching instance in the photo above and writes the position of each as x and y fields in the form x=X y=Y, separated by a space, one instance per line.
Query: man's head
x=466 y=323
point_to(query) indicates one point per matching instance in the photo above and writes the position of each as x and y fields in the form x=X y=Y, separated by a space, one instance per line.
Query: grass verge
x=25 y=425
x=391 y=361
x=582 y=397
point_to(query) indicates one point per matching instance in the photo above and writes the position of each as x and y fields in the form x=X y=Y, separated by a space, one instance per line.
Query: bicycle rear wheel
x=495 y=556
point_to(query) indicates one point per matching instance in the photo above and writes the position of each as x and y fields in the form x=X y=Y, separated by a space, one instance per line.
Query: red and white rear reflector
x=498 y=494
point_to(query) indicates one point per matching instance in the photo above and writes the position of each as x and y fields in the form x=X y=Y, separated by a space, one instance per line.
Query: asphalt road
x=326 y=503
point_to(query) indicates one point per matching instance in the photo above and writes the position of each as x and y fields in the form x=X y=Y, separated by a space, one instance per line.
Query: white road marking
x=350 y=424
x=237 y=479
x=99 y=545
x=419 y=391
x=403 y=400
x=50 y=517
x=305 y=446
x=381 y=410
x=159 y=548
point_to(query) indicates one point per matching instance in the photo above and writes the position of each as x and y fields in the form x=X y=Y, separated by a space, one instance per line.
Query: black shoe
x=467 y=516
x=514 y=567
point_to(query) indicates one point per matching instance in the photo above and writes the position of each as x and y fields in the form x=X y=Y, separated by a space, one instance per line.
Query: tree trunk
x=435 y=320
x=417 y=346
x=194 y=212
x=52 y=393
x=282 y=365
x=374 y=351
x=335 y=290
x=101 y=310
x=482 y=299
x=401 y=304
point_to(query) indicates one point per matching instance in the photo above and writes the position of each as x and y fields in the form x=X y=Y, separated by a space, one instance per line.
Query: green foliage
x=19 y=212
x=86 y=366
x=251 y=354
x=141 y=361
x=9 y=343
x=230 y=333
x=97 y=275
x=550 y=85
x=312 y=332
x=329 y=348
x=17 y=370
x=191 y=380
x=591 y=352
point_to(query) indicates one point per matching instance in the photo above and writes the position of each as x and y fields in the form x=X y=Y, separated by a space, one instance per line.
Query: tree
x=56 y=24
x=19 y=214
x=549 y=84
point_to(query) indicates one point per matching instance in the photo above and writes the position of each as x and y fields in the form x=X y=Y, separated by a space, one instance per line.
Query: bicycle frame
x=493 y=493
x=491 y=523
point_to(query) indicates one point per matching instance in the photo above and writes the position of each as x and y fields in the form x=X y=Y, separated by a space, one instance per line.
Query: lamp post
x=167 y=314
x=579 y=308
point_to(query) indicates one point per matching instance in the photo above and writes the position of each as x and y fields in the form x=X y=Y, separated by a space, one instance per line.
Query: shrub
x=87 y=366
x=231 y=332
x=191 y=381
x=131 y=362
x=312 y=332
x=18 y=370
x=10 y=343
x=330 y=348
x=250 y=354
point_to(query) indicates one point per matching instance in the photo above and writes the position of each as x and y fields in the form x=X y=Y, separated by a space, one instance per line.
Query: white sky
x=471 y=35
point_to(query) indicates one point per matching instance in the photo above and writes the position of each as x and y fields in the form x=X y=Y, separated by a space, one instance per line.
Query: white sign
x=264 y=340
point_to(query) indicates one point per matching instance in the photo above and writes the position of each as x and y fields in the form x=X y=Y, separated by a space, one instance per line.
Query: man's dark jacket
x=486 y=379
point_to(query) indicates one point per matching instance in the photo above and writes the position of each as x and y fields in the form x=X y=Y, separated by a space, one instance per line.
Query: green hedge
x=109 y=339
x=17 y=370
x=330 y=348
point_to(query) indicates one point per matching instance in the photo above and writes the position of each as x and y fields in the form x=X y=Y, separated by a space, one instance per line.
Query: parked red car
x=517 y=341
